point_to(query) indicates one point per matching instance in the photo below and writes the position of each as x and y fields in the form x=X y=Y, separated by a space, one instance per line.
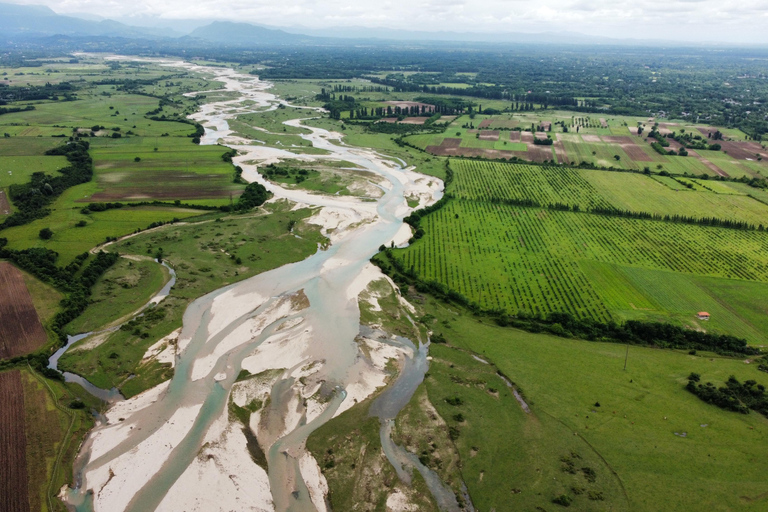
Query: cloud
x=743 y=21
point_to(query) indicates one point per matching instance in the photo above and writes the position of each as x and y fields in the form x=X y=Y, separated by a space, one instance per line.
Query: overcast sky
x=699 y=20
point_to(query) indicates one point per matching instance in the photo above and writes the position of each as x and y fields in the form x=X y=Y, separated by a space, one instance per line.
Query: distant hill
x=238 y=34
x=35 y=21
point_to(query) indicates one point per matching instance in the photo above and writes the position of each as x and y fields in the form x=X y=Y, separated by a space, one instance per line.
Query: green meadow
x=652 y=444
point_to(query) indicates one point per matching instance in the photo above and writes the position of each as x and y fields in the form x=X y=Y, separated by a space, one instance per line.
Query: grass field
x=629 y=440
x=206 y=256
x=69 y=241
x=124 y=288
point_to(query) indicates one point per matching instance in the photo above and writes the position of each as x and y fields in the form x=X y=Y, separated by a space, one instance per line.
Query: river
x=301 y=319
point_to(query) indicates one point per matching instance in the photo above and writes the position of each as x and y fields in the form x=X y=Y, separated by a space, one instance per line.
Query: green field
x=493 y=181
x=629 y=440
x=124 y=288
x=608 y=438
x=169 y=168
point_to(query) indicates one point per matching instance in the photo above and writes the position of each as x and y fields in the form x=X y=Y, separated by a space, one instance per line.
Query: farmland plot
x=13 y=444
x=20 y=328
x=526 y=259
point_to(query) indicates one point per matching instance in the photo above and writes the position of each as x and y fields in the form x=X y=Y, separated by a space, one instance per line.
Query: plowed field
x=13 y=445
x=20 y=328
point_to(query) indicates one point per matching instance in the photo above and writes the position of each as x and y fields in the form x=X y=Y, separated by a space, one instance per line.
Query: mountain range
x=28 y=22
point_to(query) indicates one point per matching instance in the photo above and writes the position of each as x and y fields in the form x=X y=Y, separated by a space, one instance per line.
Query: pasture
x=652 y=444
x=122 y=289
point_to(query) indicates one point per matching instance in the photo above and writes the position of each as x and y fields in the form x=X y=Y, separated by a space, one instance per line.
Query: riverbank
x=261 y=324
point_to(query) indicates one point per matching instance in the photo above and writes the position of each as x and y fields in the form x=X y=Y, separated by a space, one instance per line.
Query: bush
x=563 y=500
x=45 y=234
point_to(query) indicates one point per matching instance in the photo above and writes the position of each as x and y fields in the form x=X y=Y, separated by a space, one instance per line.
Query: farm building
x=703 y=315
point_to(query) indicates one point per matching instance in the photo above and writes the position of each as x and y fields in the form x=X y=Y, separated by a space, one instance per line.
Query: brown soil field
x=161 y=185
x=13 y=445
x=591 y=138
x=489 y=135
x=541 y=135
x=545 y=126
x=617 y=139
x=561 y=153
x=414 y=120
x=409 y=104
x=714 y=168
x=20 y=329
x=5 y=207
x=450 y=143
x=603 y=123
x=486 y=123
x=636 y=153
x=526 y=137
x=387 y=120
x=706 y=130
x=673 y=145
x=743 y=150
x=514 y=136
x=539 y=153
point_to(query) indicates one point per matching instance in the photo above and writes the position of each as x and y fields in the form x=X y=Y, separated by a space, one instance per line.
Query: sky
x=739 y=21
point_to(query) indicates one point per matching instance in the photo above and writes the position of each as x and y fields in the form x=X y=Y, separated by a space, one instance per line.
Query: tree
x=45 y=234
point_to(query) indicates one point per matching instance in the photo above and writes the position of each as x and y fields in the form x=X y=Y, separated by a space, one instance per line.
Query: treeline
x=632 y=332
x=195 y=136
x=11 y=110
x=414 y=219
x=32 y=199
x=614 y=212
x=734 y=396
x=255 y=194
x=37 y=92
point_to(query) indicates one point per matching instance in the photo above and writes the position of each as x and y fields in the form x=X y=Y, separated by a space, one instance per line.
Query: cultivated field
x=20 y=329
x=612 y=142
x=168 y=168
x=494 y=181
x=13 y=444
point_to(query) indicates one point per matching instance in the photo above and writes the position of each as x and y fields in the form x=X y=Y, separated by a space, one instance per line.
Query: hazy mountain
x=238 y=34
x=481 y=37
x=35 y=21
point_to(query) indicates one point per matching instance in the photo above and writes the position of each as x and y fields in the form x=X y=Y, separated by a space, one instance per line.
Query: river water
x=132 y=465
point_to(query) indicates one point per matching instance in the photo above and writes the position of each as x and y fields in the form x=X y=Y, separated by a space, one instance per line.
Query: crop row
x=544 y=185
x=526 y=259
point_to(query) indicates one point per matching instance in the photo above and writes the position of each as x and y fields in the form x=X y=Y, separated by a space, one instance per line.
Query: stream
x=106 y=395
x=141 y=460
